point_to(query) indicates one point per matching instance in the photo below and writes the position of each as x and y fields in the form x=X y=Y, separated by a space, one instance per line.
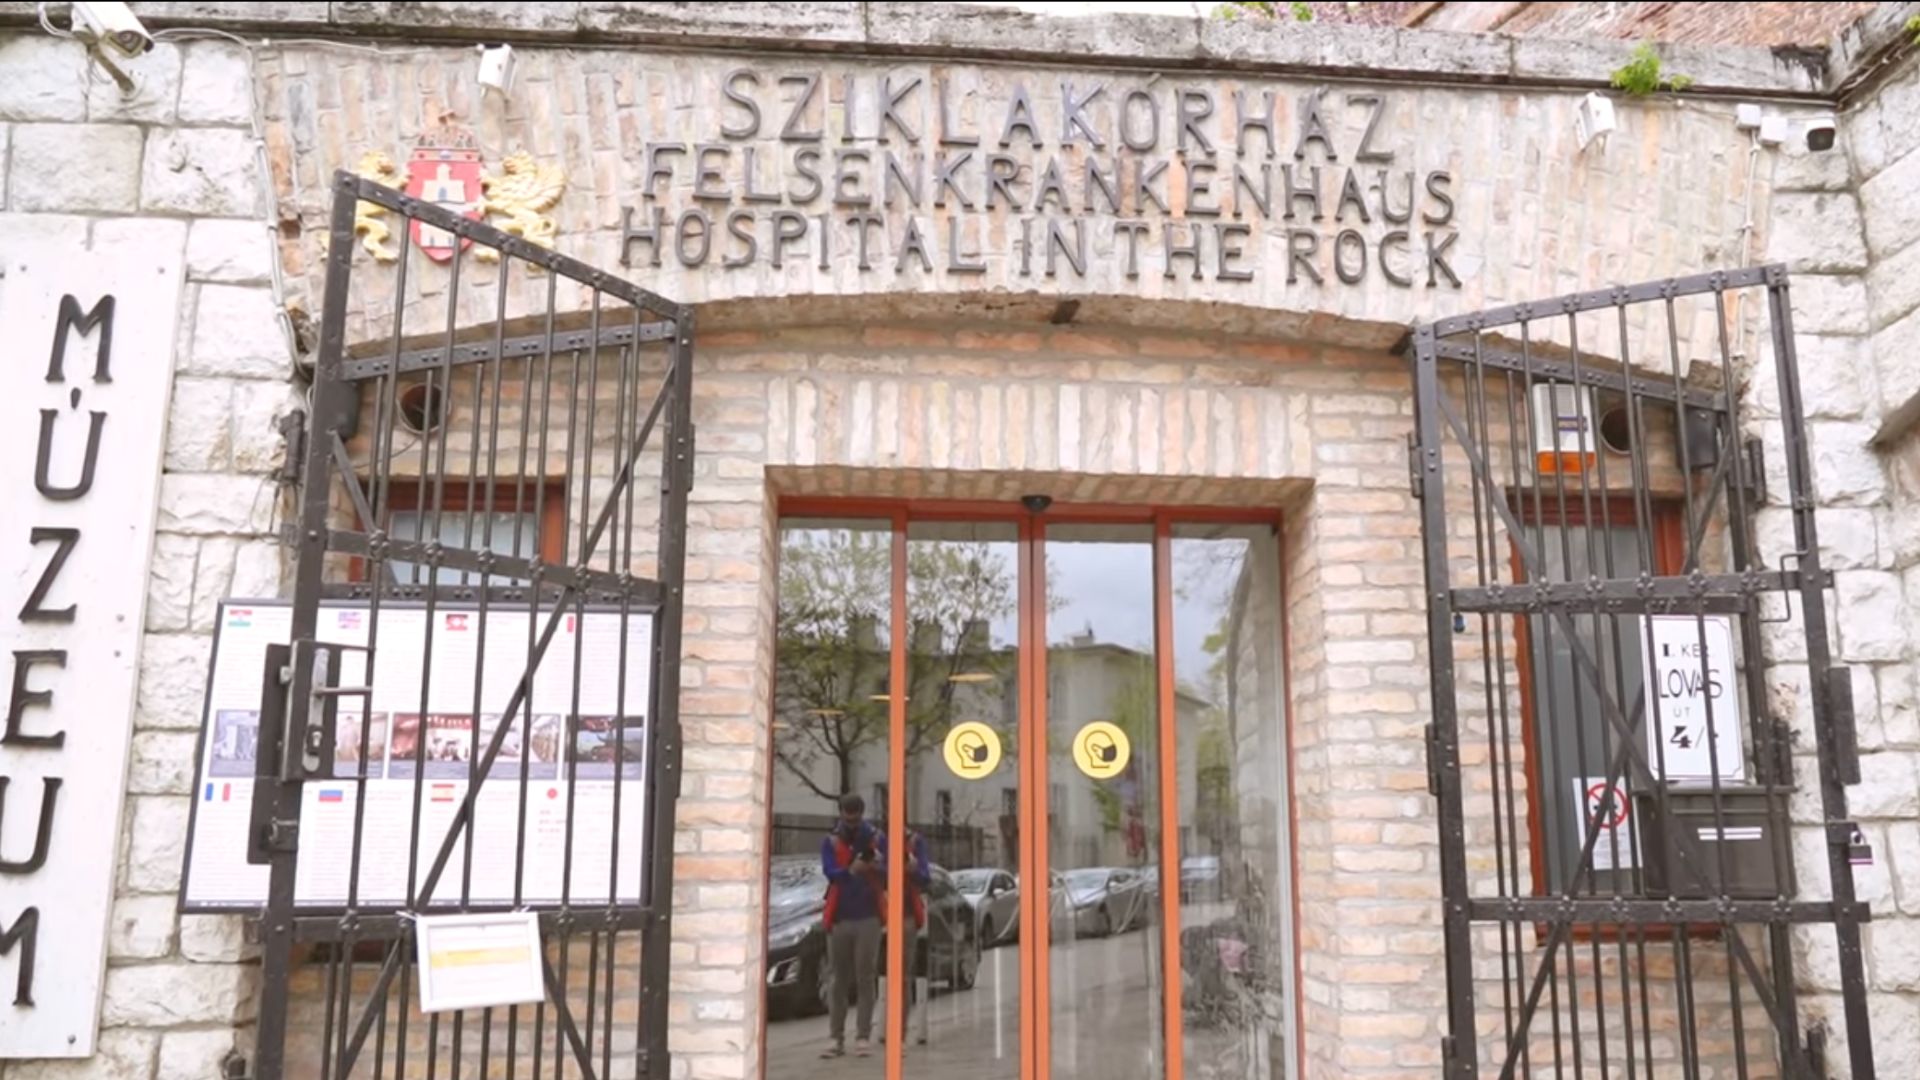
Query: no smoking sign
x=1595 y=799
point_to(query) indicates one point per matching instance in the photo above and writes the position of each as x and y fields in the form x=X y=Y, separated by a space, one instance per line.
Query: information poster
x=559 y=816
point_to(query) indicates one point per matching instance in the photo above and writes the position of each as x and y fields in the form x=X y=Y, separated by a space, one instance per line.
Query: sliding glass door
x=1029 y=797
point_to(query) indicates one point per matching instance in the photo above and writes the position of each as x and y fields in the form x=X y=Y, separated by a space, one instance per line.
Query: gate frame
x=1832 y=713
x=333 y=418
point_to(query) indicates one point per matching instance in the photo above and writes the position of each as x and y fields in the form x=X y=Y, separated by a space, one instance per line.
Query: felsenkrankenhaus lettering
x=1179 y=180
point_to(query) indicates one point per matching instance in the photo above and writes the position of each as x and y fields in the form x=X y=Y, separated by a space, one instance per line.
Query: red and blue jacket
x=859 y=891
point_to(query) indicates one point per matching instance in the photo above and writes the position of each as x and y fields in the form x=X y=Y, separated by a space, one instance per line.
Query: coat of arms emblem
x=445 y=169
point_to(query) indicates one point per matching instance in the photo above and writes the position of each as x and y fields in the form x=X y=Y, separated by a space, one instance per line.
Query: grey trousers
x=853 y=950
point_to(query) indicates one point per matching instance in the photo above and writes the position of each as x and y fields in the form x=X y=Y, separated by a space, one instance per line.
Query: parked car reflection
x=1200 y=877
x=798 y=973
x=995 y=896
x=1098 y=901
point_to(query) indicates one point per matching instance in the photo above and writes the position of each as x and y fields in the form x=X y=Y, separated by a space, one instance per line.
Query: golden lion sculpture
x=522 y=192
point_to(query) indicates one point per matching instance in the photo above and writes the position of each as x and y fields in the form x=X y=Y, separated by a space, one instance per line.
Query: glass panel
x=409 y=525
x=963 y=594
x=1573 y=740
x=1103 y=807
x=1236 y=948
x=830 y=738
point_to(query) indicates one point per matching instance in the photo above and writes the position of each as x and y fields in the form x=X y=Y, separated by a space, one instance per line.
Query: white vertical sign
x=1691 y=679
x=83 y=406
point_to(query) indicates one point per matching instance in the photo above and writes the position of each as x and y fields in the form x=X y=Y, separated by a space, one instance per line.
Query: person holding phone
x=854 y=857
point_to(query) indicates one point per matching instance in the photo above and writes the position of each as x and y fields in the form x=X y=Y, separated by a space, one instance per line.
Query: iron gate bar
x=1833 y=795
x=496 y=594
x=1692 y=593
x=1594 y=300
x=1733 y=592
x=519 y=347
x=566 y=589
x=1491 y=356
x=676 y=481
x=568 y=579
x=1650 y=911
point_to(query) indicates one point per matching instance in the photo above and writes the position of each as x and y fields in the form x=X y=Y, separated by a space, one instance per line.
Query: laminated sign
x=479 y=961
x=1693 y=698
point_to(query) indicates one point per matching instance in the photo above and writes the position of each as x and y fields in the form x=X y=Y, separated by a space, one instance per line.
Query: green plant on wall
x=1913 y=27
x=1235 y=9
x=1641 y=75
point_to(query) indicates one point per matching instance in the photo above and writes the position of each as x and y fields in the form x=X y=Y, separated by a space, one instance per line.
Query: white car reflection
x=995 y=896
x=1100 y=900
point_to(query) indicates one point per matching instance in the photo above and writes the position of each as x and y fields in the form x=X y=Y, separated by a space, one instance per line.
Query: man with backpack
x=854 y=857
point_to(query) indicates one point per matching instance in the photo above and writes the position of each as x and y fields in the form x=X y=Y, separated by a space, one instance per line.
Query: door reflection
x=1103 y=805
x=962 y=798
x=824 y=994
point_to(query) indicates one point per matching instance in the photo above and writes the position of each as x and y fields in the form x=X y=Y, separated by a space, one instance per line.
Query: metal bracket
x=1700 y=428
x=282 y=834
x=1816 y=1052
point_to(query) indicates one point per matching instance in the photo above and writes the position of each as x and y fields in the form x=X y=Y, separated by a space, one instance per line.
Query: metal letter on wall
x=1602 y=738
x=471 y=702
x=83 y=410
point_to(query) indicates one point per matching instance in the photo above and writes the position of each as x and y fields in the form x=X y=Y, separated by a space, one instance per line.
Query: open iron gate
x=1612 y=774
x=404 y=525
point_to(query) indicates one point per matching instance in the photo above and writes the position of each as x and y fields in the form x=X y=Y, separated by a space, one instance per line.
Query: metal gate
x=1613 y=553
x=477 y=503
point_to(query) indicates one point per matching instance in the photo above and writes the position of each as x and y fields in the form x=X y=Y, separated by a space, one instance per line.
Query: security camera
x=1821 y=131
x=112 y=25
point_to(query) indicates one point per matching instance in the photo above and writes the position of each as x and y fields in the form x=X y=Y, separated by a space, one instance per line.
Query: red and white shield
x=445 y=169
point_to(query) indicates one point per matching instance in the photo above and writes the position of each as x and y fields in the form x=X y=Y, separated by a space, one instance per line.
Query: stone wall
x=174 y=166
x=1846 y=221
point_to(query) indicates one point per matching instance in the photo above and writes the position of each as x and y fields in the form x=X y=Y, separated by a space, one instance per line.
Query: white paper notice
x=479 y=961
x=1685 y=688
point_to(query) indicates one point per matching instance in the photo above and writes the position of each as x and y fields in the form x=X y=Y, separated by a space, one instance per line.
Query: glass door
x=1106 y=975
x=1029 y=799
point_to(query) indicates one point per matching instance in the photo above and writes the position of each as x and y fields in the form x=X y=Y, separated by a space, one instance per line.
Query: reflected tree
x=833 y=693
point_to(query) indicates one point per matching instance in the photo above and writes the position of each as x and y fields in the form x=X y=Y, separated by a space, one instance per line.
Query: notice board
x=559 y=818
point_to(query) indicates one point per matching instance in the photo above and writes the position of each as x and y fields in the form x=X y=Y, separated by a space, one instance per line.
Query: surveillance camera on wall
x=112 y=25
x=1593 y=120
x=1822 y=131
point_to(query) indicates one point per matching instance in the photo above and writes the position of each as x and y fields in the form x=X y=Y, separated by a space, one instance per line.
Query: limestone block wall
x=1844 y=222
x=177 y=166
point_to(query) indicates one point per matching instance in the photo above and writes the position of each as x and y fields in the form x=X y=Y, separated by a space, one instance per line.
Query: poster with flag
x=445 y=727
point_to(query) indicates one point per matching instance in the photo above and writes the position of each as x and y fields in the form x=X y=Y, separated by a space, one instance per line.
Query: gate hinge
x=1433 y=761
x=293 y=431
x=1415 y=482
x=1841 y=722
x=644 y=1064
x=1753 y=472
